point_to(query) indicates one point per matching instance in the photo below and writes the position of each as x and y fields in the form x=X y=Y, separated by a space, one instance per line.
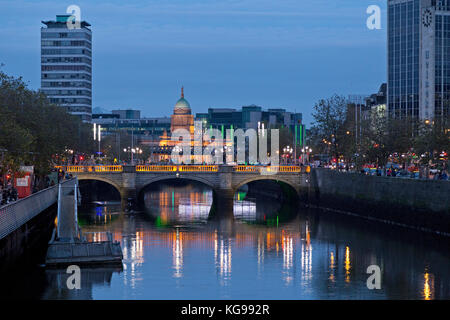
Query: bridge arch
x=146 y=184
x=173 y=177
x=267 y=178
x=98 y=178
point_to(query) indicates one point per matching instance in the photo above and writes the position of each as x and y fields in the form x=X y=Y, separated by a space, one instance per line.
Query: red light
x=81 y=158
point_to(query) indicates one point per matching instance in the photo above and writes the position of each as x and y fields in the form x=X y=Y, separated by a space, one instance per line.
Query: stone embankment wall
x=423 y=204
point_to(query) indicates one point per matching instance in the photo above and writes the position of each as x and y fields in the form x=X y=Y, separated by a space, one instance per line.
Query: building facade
x=66 y=65
x=253 y=117
x=418 y=59
x=147 y=131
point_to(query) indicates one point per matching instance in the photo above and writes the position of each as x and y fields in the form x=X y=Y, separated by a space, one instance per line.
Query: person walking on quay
x=5 y=196
x=14 y=194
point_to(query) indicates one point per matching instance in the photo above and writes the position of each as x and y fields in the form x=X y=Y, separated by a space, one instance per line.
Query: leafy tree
x=433 y=138
x=33 y=131
x=330 y=116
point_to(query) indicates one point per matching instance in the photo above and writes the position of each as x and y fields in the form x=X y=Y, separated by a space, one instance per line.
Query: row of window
x=67 y=92
x=79 y=109
x=66 y=68
x=66 y=51
x=78 y=84
x=403 y=98
x=67 y=60
x=68 y=43
x=73 y=34
x=81 y=76
x=70 y=100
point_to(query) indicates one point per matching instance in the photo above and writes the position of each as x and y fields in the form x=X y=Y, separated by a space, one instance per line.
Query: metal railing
x=16 y=214
x=183 y=168
x=194 y=168
x=282 y=169
x=101 y=168
x=155 y=168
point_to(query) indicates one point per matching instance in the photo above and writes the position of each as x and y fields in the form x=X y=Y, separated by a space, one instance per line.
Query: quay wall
x=28 y=244
x=421 y=204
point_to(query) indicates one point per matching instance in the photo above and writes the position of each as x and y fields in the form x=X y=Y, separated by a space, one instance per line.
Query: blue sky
x=228 y=53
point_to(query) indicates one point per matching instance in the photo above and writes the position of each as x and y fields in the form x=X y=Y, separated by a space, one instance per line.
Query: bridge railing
x=155 y=168
x=282 y=169
x=183 y=168
x=99 y=168
x=194 y=168
x=16 y=214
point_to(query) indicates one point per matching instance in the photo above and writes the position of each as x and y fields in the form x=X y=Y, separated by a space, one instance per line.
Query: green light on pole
x=301 y=135
x=295 y=133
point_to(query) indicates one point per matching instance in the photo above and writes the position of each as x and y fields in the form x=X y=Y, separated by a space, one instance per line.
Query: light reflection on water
x=175 y=252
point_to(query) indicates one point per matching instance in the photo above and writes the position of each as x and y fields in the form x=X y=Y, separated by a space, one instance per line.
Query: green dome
x=182 y=106
x=182 y=103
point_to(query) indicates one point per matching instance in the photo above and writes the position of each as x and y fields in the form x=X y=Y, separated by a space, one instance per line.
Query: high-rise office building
x=419 y=59
x=66 y=65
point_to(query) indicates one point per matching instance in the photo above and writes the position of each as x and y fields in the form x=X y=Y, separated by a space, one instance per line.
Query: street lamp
x=132 y=151
x=97 y=135
x=306 y=150
x=287 y=151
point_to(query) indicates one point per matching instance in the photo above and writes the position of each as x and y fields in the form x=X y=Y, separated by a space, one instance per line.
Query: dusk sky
x=228 y=53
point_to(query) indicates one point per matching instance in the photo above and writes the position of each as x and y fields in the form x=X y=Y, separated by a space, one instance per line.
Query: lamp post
x=306 y=150
x=132 y=151
x=286 y=152
x=97 y=135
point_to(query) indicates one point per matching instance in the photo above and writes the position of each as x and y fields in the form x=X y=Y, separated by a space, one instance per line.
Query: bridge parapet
x=99 y=168
x=182 y=168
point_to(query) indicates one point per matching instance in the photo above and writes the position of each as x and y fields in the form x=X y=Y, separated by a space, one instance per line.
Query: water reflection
x=347 y=264
x=332 y=267
x=176 y=253
x=178 y=203
x=222 y=254
x=57 y=283
x=428 y=286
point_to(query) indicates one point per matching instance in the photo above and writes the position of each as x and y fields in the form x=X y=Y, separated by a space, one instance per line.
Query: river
x=269 y=251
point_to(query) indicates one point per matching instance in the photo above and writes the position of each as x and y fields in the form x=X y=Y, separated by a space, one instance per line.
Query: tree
x=329 y=124
x=433 y=138
x=33 y=131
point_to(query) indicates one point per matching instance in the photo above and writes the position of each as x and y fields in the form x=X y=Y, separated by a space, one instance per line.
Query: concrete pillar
x=128 y=196
x=225 y=176
x=128 y=190
x=222 y=207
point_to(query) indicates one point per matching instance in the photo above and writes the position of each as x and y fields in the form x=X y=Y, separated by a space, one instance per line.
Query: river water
x=269 y=251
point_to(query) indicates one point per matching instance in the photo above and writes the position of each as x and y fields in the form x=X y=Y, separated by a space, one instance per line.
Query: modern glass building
x=145 y=130
x=418 y=58
x=254 y=117
x=66 y=65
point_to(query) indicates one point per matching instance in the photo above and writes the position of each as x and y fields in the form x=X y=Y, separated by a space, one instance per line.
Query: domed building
x=182 y=118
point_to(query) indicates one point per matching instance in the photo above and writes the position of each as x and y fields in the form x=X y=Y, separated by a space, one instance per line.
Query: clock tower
x=427 y=64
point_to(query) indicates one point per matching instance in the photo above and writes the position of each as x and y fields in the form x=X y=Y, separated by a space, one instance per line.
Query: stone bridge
x=224 y=180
